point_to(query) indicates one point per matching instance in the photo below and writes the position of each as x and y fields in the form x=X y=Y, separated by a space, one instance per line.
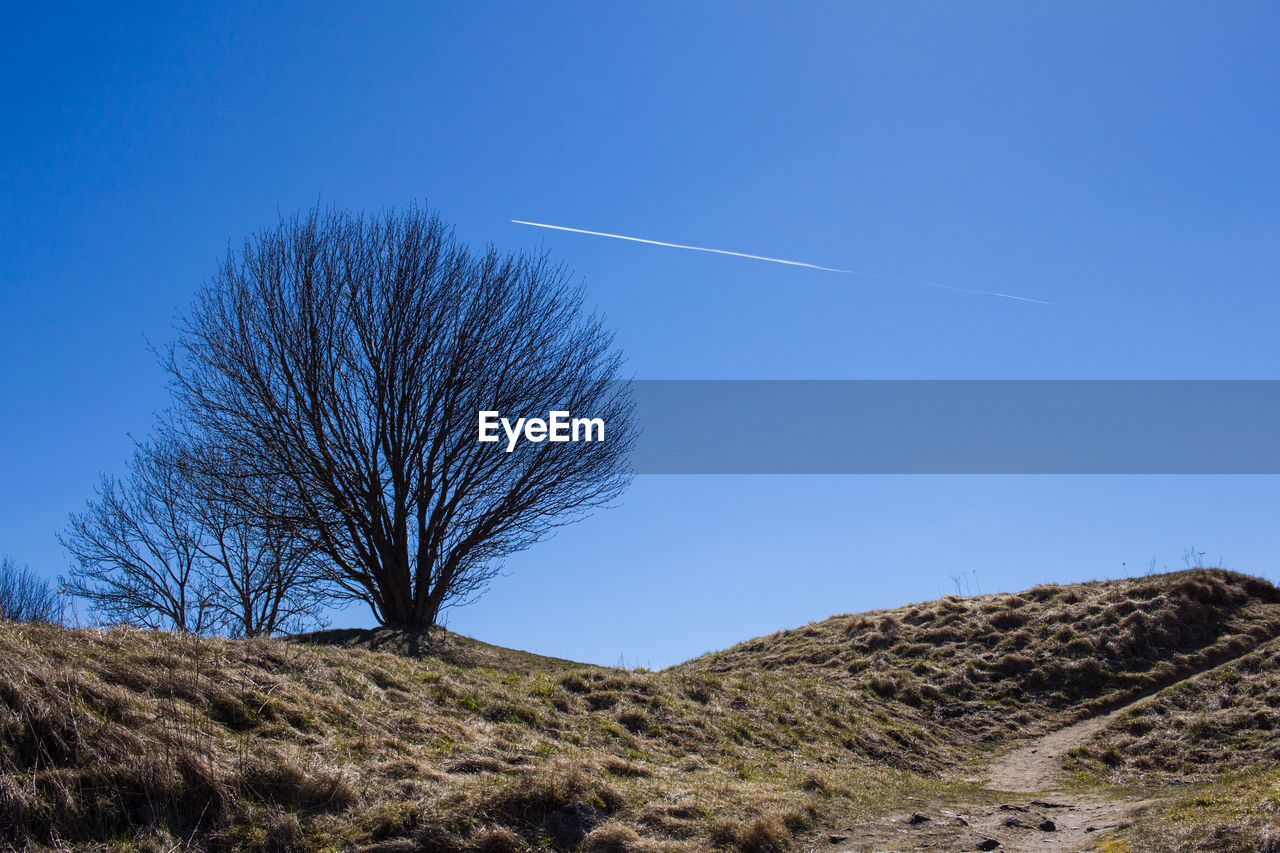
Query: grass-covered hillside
x=987 y=666
x=147 y=740
x=1220 y=730
x=273 y=745
x=1228 y=717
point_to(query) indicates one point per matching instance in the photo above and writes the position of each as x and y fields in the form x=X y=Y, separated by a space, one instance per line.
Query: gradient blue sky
x=1117 y=158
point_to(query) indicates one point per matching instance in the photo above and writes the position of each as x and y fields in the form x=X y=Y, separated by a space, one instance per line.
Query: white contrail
x=682 y=246
x=783 y=261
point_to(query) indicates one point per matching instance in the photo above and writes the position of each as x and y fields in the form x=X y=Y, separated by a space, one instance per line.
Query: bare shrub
x=136 y=552
x=172 y=546
x=24 y=597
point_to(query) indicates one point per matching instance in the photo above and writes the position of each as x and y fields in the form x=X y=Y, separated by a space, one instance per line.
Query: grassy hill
x=440 y=645
x=989 y=666
x=1226 y=717
x=147 y=740
x=1218 y=729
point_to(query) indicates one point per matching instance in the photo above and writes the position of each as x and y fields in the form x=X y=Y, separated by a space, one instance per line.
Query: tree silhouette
x=344 y=360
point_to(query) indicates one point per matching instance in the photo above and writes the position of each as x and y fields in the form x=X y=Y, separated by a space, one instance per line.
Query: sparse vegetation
x=1225 y=718
x=1238 y=813
x=1216 y=731
x=989 y=666
x=151 y=739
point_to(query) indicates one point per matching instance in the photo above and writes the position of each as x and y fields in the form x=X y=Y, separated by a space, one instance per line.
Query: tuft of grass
x=611 y=838
x=765 y=834
x=497 y=840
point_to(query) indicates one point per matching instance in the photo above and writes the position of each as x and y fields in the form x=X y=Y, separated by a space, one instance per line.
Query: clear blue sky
x=1119 y=159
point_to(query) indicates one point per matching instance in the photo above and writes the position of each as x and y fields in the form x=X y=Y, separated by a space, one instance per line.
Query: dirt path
x=1053 y=821
x=1055 y=824
x=1038 y=765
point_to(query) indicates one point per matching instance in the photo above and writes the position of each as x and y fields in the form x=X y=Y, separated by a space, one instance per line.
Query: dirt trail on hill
x=1038 y=765
x=1052 y=822
x=1056 y=824
x=1056 y=821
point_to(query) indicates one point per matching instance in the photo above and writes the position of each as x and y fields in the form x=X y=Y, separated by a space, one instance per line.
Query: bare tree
x=24 y=597
x=346 y=359
x=263 y=578
x=171 y=547
x=137 y=550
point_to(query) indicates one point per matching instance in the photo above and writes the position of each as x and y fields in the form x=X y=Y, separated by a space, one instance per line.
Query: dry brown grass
x=439 y=644
x=1225 y=720
x=612 y=838
x=129 y=738
x=987 y=667
x=1238 y=813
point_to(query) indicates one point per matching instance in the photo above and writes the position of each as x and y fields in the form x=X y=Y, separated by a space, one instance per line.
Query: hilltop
x=989 y=666
x=438 y=644
x=381 y=742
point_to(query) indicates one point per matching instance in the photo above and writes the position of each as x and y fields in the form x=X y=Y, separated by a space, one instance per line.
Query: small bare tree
x=24 y=597
x=137 y=550
x=347 y=359
x=263 y=578
x=170 y=548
